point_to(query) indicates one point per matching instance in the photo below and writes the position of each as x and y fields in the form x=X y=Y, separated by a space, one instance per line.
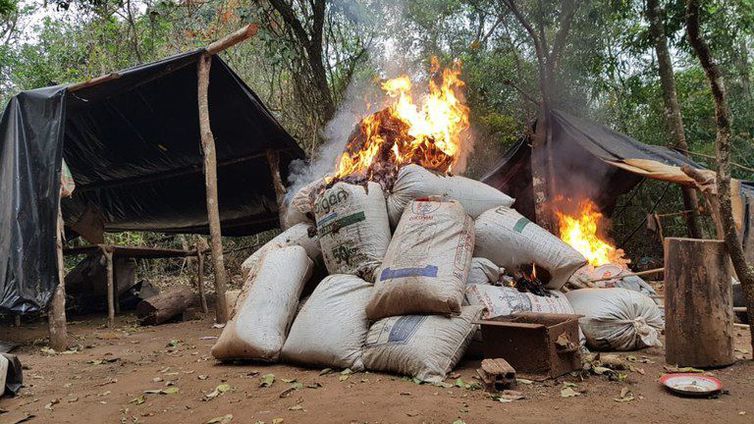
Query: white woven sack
x=426 y=347
x=415 y=182
x=261 y=323
x=331 y=328
x=504 y=301
x=508 y=239
x=298 y=235
x=483 y=271
x=617 y=319
x=353 y=228
x=427 y=264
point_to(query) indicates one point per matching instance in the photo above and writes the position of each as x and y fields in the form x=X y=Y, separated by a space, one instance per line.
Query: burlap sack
x=331 y=328
x=427 y=264
x=259 y=328
x=426 y=347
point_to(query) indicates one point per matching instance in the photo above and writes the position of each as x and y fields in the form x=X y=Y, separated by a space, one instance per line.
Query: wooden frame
x=56 y=317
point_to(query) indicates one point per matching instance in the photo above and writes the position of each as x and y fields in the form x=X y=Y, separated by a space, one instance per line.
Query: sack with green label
x=353 y=228
x=508 y=239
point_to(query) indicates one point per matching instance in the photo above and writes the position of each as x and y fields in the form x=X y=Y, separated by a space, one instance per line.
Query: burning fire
x=581 y=232
x=427 y=134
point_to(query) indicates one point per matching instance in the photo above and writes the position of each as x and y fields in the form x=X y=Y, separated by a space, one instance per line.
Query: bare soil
x=105 y=382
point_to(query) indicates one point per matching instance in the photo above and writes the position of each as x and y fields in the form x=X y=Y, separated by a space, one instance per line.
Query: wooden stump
x=164 y=306
x=698 y=303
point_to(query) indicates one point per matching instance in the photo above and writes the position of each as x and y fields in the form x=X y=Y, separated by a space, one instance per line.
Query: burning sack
x=504 y=301
x=617 y=319
x=415 y=182
x=331 y=328
x=298 y=235
x=427 y=263
x=426 y=347
x=508 y=239
x=484 y=271
x=259 y=328
x=353 y=228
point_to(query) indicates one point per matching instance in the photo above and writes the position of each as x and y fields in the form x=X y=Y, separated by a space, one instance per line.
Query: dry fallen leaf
x=220 y=389
x=137 y=400
x=568 y=392
x=267 y=380
x=225 y=419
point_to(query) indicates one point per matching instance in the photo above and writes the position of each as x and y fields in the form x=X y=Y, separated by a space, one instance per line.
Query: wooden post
x=200 y=276
x=56 y=316
x=273 y=160
x=210 y=178
x=699 y=303
x=110 y=288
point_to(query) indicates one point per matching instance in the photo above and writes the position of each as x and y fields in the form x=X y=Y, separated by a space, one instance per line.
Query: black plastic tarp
x=577 y=154
x=133 y=146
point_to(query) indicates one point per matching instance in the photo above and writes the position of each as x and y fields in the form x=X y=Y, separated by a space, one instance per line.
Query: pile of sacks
x=408 y=272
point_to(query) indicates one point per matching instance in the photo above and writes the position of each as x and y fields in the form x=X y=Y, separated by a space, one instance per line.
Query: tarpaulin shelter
x=589 y=159
x=132 y=142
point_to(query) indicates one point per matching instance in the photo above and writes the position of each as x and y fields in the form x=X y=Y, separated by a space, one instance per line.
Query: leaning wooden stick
x=628 y=274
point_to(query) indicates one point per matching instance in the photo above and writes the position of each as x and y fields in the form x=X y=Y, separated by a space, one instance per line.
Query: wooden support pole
x=56 y=316
x=110 y=288
x=273 y=160
x=210 y=178
x=200 y=276
x=699 y=323
x=242 y=34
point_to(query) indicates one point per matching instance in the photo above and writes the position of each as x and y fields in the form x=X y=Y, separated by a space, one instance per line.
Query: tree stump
x=698 y=303
x=164 y=306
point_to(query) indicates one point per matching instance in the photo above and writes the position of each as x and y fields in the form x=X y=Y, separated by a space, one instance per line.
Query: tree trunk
x=673 y=117
x=273 y=161
x=56 y=317
x=111 y=290
x=210 y=174
x=200 y=275
x=699 y=331
x=164 y=306
x=744 y=271
x=540 y=177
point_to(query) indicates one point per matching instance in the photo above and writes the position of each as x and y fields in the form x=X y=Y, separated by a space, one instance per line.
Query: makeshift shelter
x=133 y=144
x=587 y=159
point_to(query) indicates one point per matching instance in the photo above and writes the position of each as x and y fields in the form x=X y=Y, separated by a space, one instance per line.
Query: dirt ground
x=105 y=382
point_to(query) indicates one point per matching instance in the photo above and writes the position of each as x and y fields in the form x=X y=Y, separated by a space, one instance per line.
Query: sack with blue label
x=425 y=347
x=353 y=228
x=427 y=264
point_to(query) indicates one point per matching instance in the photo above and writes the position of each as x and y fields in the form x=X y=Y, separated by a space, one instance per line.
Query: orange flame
x=582 y=233
x=428 y=134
